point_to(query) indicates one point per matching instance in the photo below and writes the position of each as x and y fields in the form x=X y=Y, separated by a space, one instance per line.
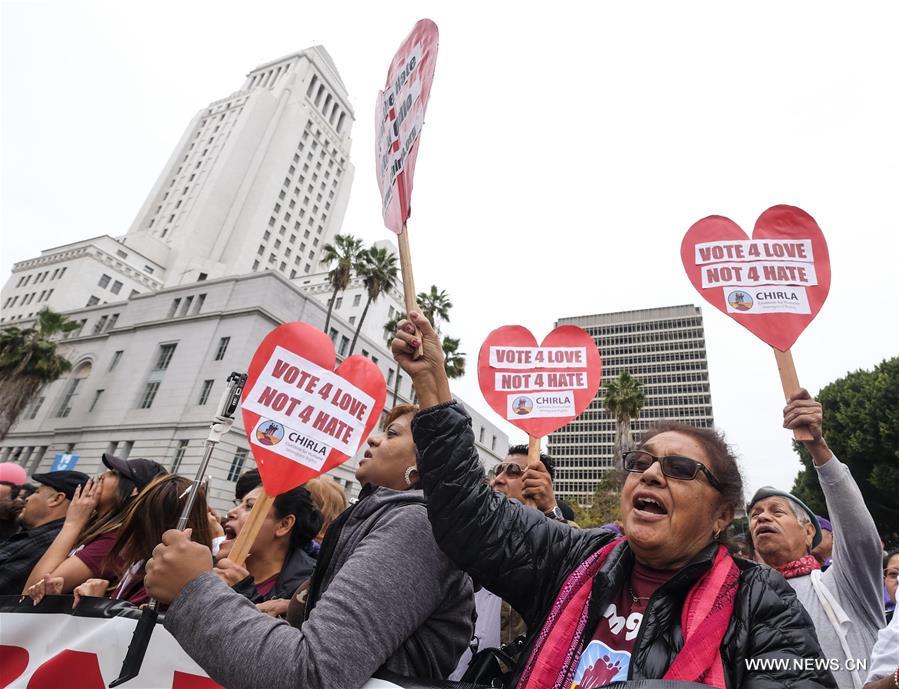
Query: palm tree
x=389 y=332
x=454 y=361
x=624 y=399
x=345 y=251
x=28 y=361
x=379 y=274
x=435 y=306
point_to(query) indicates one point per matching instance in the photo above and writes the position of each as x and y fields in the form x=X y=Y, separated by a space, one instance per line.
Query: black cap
x=139 y=471
x=63 y=481
x=771 y=492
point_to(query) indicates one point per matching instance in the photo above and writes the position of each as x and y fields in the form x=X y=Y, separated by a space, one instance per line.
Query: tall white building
x=664 y=349
x=259 y=181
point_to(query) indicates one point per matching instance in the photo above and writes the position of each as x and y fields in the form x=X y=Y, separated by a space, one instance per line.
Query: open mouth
x=230 y=533
x=645 y=503
x=763 y=530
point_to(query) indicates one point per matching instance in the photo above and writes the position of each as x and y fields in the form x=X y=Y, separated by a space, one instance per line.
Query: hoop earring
x=407 y=477
x=715 y=536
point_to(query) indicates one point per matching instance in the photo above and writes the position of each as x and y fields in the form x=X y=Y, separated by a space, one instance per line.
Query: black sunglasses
x=681 y=468
x=509 y=468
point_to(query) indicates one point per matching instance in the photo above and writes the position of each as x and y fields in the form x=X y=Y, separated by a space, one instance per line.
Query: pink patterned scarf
x=799 y=568
x=706 y=613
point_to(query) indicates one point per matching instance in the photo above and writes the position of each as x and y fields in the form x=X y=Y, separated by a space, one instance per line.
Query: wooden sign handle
x=250 y=530
x=533 y=458
x=408 y=281
x=790 y=382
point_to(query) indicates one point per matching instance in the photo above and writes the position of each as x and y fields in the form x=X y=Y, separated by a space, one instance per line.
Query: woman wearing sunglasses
x=664 y=601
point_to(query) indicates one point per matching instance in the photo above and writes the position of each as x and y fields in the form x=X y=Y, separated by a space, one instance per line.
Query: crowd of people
x=440 y=571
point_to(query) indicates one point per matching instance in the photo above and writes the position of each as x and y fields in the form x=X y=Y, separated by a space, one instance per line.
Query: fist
x=803 y=410
x=230 y=572
x=537 y=486
x=175 y=562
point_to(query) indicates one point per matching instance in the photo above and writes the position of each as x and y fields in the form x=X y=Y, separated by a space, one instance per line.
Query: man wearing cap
x=844 y=602
x=42 y=518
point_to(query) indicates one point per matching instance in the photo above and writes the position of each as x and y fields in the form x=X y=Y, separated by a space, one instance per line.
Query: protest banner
x=773 y=284
x=399 y=117
x=539 y=388
x=302 y=416
x=51 y=645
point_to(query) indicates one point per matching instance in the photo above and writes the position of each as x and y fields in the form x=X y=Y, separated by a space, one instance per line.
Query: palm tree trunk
x=396 y=386
x=623 y=441
x=330 y=307
x=359 y=325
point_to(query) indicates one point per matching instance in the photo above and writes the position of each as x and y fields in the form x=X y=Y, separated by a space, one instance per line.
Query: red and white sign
x=773 y=284
x=399 y=116
x=44 y=650
x=539 y=388
x=302 y=416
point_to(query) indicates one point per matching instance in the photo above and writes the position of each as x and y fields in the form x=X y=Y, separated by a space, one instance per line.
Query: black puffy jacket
x=521 y=556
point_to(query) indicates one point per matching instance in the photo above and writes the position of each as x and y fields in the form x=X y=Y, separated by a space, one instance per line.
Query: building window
x=100 y=324
x=332 y=333
x=240 y=456
x=179 y=455
x=165 y=356
x=338 y=303
x=344 y=345
x=115 y=359
x=96 y=399
x=116 y=287
x=104 y=280
x=352 y=320
x=204 y=392
x=357 y=299
x=493 y=443
x=35 y=407
x=148 y=395
x=222 y=348
x=93 y=301
x=65 y=405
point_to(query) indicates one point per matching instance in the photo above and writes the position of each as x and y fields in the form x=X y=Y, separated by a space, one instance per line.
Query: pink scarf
x=799 y=568
x=706 y=614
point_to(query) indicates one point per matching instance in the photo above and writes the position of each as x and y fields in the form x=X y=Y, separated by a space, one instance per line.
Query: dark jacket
x=20 y=553
x=521 y=556
x=297 y=568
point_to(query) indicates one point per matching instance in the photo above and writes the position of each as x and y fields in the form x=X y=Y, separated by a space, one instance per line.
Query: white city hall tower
x=259 y=180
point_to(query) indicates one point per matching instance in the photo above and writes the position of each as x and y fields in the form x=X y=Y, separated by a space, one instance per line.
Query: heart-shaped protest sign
x=302 y=416
x=773 y=284
x=541 y=388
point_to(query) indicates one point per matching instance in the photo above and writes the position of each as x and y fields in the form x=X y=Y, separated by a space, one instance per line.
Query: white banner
x=59 y=650
x=766 y=299
x=757 y=274
x=544 y=405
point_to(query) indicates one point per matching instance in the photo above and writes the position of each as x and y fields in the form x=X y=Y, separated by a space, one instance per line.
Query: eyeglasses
x=681 y=468
x=509 y=468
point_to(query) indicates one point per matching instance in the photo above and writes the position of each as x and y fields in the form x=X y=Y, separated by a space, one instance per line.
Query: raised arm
x=856 y=573
x=512 y=550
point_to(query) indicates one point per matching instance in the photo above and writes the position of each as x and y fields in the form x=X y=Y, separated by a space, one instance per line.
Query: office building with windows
x=664 y=349
x=148 y=373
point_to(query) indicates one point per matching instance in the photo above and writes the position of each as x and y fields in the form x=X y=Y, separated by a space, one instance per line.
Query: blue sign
x=63 y=462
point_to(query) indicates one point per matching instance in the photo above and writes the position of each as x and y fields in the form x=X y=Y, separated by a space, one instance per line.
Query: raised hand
x=84 y=503
x=805 y=411
x=537 y=486
x=426 y=371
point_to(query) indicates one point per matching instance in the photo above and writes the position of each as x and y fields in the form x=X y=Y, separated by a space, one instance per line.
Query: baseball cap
x=771 y=492
x=64 y=481
x=824 y=524
x=139 y=471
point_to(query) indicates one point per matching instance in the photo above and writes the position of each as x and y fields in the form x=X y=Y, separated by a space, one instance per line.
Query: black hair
x=548 y=461
x=889 y=556
x=565 y=508
x=724 y=462
x=297 y=502
x=13 y=489
x=248 y=481
x=309 y=520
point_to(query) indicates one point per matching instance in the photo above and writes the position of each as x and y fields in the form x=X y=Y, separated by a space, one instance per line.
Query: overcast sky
x=565 y=154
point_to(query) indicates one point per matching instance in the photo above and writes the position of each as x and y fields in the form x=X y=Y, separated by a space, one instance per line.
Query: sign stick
x=408 y=280
x=248 y=533
x=533 y=458
x=790 y=382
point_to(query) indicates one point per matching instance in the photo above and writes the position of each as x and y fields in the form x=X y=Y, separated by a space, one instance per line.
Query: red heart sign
x=539 y=389
x=774 y=284
x=302 y=416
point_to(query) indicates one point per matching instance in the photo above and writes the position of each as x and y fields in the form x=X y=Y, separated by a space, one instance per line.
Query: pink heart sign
x=773 y=284
x=302 y=416
x=541 y=388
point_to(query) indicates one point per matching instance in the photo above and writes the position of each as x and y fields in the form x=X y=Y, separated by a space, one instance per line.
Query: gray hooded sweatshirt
x=390 y=599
